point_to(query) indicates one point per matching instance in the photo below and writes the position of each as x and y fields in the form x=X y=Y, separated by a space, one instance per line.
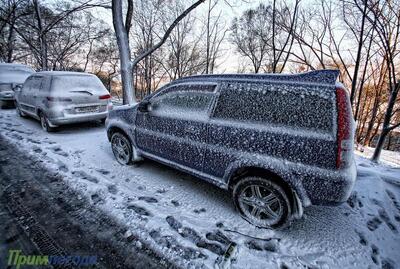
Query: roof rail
x=326 y=76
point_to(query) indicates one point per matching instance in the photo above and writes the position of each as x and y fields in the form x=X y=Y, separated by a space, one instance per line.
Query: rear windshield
x=13 y=74
x=279 y=105
x=77 y=82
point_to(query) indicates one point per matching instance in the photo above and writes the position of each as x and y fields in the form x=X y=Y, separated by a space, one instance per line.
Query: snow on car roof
x=16 y=66
x=326 y=76
x=64 y=73
x=13 y=64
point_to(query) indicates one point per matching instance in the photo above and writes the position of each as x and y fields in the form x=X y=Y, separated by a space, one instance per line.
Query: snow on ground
x=388 y=157
x=192 y=222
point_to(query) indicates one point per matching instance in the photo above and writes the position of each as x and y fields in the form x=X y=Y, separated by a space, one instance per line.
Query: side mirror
x=144 y=106
x=17 y=88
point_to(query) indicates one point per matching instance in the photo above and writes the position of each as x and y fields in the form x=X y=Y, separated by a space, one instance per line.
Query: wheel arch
x=114 y=129
x=251 y=170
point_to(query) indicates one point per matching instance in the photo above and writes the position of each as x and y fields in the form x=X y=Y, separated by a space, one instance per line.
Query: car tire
x=44 y=122
x=262 y=202
x=19 y=111
x=122 y=148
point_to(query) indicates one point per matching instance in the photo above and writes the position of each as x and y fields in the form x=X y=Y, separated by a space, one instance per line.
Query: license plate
x=87 y=109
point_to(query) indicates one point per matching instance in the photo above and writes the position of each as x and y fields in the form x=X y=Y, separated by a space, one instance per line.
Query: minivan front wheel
x=262 y=202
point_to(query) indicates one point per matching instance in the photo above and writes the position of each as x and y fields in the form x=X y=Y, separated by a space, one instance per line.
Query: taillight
x=106 y=96
x=58 y=99
x=344 y=128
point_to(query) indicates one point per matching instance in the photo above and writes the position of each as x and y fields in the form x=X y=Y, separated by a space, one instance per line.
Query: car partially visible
x=12 y=76
x=58 y=98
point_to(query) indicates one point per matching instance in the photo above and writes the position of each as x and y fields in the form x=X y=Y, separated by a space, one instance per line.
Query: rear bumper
x=329 y=187
x=69 y=119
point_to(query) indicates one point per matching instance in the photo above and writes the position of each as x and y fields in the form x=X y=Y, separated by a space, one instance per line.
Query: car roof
x=324 y=77
x=63 y=73
x=15 y=65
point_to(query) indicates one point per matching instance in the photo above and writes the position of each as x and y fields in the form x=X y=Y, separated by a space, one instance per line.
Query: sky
x=229 y=62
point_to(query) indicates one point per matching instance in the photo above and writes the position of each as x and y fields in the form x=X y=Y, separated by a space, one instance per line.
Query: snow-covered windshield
x=14 y=74
x=77 y=82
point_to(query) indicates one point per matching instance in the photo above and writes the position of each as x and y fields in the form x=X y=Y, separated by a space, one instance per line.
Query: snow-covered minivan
x=277 y=142
x=58 y=98
x=11 y=76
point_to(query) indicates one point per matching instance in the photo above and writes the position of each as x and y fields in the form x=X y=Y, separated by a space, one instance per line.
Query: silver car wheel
x=19 y=111
x=260 y=205
x=43 y=122
x=121 y=148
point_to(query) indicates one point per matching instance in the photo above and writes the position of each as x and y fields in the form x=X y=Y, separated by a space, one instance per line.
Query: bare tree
x=215 y=34
x=183 y=54
x=37 y=21
x=284 y=24
x=266 y=35
x=148 y=17
x=127 y=64
x=11 y=48
x=385 y=18
x=251 y=35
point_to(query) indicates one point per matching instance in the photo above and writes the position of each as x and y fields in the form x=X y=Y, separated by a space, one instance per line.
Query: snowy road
x=191 y=223
x=41 y=214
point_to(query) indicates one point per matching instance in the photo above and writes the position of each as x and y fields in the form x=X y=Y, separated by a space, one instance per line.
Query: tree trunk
x=386 y=123
x=128 y=96
x=42 y=37
x=389 y=141
x=358 y=59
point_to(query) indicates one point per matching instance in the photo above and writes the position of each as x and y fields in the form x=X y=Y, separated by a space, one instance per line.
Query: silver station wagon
x=11 y=77
x=57 y=98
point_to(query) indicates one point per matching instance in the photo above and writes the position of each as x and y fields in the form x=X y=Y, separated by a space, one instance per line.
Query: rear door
x=30 y=93
x=85 y=93
x=176 y=127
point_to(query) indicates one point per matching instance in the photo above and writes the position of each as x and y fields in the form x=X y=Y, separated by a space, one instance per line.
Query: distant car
x=277 y=142
x=11 y=76
x=57 y=98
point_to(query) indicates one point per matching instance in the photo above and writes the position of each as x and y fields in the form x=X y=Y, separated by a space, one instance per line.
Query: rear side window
x=184 y=100
x=275 y=104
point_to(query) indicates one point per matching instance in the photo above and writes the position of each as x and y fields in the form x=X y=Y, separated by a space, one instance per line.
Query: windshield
x=14 y=74
x=78 y=82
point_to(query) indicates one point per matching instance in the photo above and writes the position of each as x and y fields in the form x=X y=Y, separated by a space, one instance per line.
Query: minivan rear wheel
x=19 y=111
x=44 y=122
x=262 y=202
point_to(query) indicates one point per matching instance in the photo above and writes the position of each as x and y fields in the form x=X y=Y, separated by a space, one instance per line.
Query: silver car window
x=78 y=82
